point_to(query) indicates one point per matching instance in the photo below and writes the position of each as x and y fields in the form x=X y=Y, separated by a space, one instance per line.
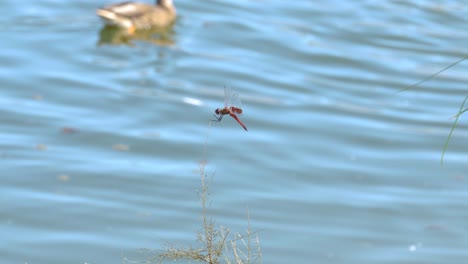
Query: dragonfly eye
x=216 y=111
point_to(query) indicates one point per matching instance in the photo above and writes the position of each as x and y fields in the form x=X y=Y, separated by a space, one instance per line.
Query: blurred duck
x=138 y=16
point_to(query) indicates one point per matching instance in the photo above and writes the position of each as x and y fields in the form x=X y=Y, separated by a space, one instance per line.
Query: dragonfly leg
x=218 y=118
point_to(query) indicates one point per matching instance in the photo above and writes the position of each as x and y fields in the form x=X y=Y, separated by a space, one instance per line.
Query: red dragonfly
x=232 y=107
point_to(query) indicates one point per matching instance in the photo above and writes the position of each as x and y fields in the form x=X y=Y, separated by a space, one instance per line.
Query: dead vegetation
x=215 y=244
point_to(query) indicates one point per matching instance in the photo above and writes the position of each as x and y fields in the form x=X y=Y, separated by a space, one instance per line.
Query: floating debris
x=41 y=147
x=37 y=97
x=69 y=130
x=63 y=177
x=120 y=147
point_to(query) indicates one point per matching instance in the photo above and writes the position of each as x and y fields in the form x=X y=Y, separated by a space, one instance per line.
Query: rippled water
x=101 y=142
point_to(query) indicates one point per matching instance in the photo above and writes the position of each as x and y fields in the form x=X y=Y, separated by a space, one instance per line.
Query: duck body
x=138 y=16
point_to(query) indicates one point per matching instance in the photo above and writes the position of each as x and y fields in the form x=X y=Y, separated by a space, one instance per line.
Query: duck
x=134 y=16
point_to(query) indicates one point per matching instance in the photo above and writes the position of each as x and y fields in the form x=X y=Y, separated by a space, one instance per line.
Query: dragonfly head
x=217 y=111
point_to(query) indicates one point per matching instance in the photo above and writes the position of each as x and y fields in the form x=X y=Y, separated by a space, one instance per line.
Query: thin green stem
x=452 y=129
x=432 y=75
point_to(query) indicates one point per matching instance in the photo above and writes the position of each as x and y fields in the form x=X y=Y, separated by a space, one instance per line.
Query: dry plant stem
x=259 y=251
x=202 y=169
x=249 y=251
x=240 y=256
x=213 y=239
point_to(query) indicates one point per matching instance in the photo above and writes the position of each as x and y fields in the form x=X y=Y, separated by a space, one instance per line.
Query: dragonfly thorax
x=222 y=111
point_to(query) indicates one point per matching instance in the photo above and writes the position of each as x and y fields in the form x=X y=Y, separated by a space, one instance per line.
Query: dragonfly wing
x=235 y=100
x=227 y=96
